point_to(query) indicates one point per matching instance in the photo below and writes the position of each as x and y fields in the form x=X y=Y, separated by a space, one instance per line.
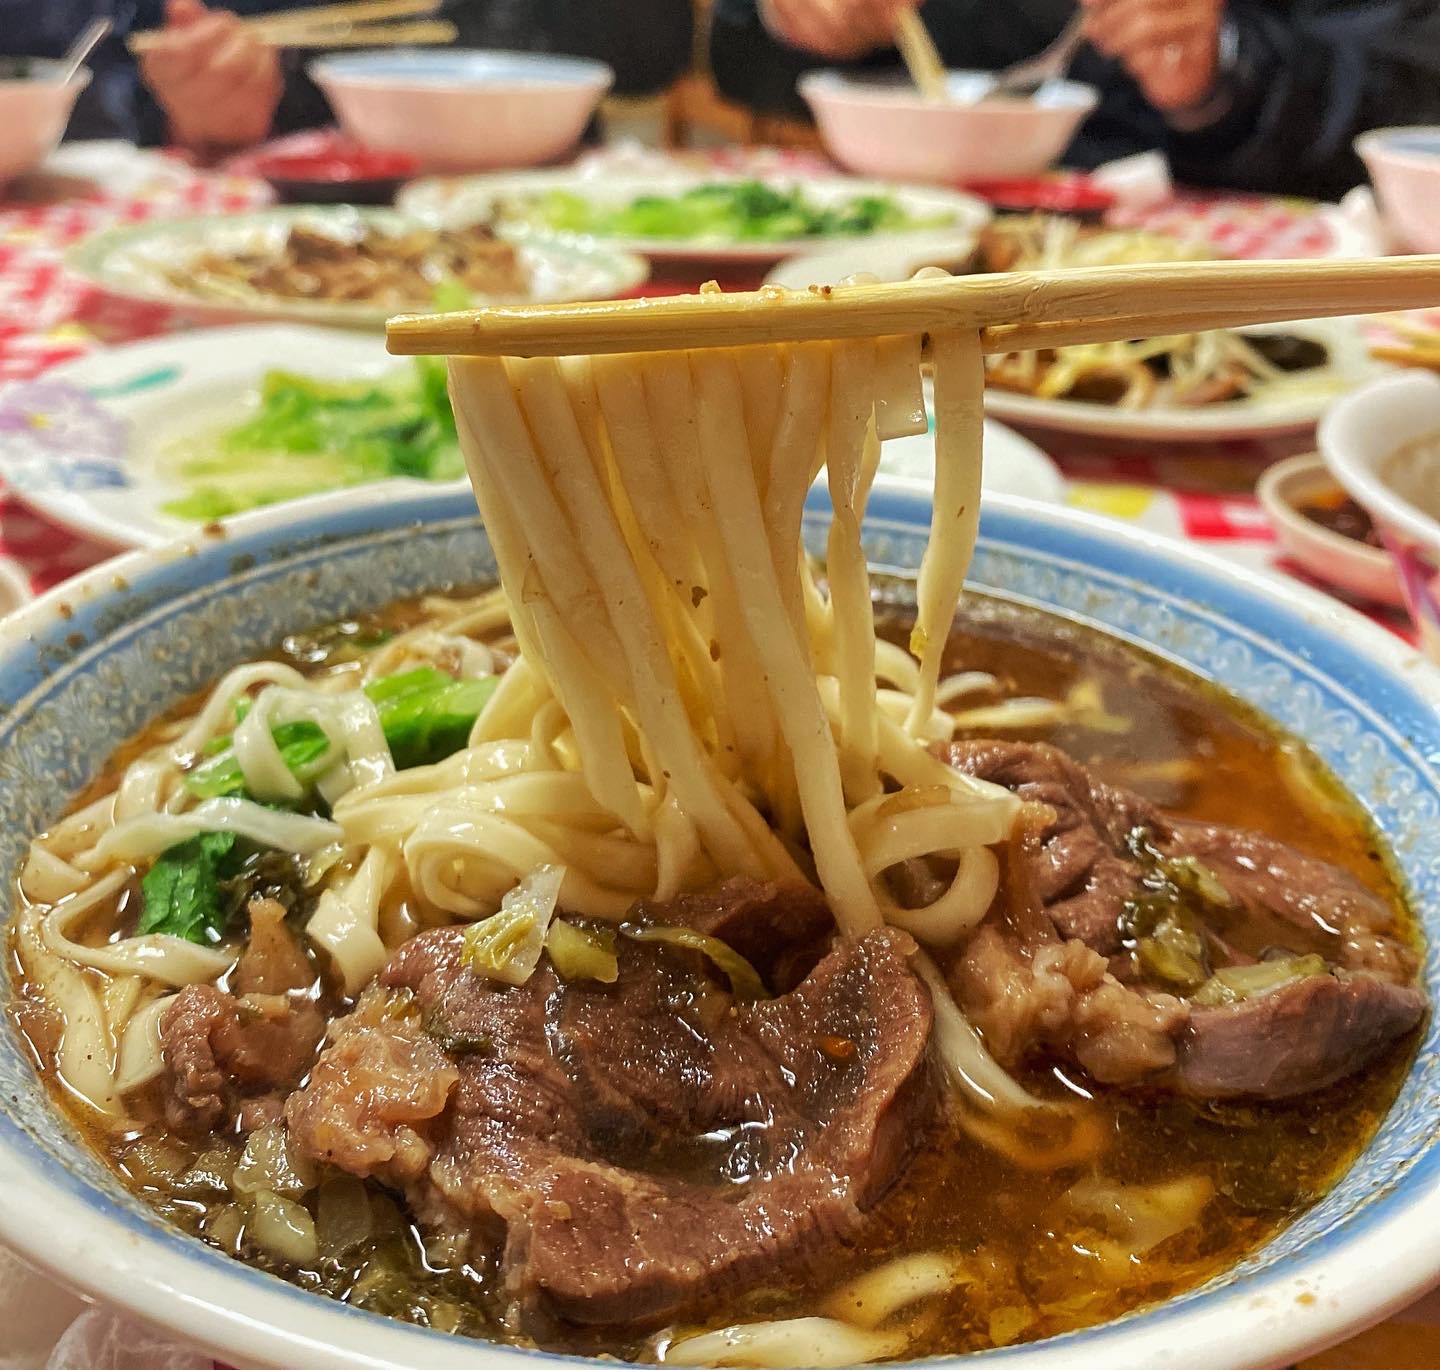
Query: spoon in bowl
x=1025 y=78
x=82 y=47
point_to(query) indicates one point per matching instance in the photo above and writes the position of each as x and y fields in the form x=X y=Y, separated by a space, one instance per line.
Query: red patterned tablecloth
x=48 y=315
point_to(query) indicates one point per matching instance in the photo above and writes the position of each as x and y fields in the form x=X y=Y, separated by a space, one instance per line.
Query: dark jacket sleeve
x=1313 y=75
x=648 y=43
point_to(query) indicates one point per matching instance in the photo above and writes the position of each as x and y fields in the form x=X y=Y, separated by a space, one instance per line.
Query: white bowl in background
x=889 y=129
x=1354 y=567
x=1358 y=437
x=33 y=113
x=463 y=109
x=1404 y=167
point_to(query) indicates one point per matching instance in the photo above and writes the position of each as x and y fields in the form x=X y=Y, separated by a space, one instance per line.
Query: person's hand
x=1171 y=47
x=217 y=82
x=840 y=29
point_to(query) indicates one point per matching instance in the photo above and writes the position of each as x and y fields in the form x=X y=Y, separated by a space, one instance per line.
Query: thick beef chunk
x=1060 y=998
x=1065 y=984
x=369 y=1102
x=632 y=1151
x=230 y=1060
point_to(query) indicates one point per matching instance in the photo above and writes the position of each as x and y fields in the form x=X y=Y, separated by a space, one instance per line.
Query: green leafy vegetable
x=733 y=211
x=582 y=954
x=301 y=744
x=1232 y=984
x=182 y=893
x=744 y=979
x=425 y=714
x=507 y=945
x=311 y=435
x=1165 y=921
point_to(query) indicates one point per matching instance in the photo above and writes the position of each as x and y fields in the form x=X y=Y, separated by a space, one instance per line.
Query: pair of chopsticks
x=358 y=23
x=1013 y=312
x=920 y=55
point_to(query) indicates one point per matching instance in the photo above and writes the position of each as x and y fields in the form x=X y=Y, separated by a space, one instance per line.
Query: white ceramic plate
x=1351 y=363
x=89 y=451
x=1013 y=465
x=465 y=199
x=132 y=262
x=1350 y=366
x=88 y=454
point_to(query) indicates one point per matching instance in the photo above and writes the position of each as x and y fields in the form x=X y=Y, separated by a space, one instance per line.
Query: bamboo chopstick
x=921 y=58
x=351 y=12
x=1015 y=311
x=285 y=30
x=423 y=32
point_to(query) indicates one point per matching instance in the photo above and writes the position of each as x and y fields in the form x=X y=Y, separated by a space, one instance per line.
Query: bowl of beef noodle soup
x=699 y=952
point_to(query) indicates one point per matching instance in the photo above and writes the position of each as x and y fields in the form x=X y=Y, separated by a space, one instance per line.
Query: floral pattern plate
x=83 y=443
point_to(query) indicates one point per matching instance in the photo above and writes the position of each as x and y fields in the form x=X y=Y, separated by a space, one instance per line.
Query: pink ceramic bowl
x=34 y=110
x=1362 y=439
x=888 y=129
x=1404 y=165
x=456 y=109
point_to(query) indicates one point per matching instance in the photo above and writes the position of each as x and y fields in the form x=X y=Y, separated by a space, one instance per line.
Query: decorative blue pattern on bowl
x=75 y=683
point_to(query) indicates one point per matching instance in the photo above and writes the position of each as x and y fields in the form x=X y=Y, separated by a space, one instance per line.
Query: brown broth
x=1035 y=1266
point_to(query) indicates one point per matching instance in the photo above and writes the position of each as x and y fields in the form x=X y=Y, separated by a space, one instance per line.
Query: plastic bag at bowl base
x=48 y=1328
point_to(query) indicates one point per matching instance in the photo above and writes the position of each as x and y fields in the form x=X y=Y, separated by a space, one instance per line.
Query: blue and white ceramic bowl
x=87 y=665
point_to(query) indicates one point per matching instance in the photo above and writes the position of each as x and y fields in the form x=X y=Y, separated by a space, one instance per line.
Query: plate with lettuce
x=136 y=444
x=692 y=216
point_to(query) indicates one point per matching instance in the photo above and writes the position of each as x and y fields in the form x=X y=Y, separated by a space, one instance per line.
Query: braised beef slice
x=630 y=1152
x=780 y=929
x=1303 y=1036
x=1033 y=991
x=1086 y=873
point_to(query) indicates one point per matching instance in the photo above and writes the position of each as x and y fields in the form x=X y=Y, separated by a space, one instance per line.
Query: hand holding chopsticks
x=359 y=23
x=1015 y=311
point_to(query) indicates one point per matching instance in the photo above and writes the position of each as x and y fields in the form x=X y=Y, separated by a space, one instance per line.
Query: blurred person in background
x=212 y=86
x=648 y=43
x=1261 y=95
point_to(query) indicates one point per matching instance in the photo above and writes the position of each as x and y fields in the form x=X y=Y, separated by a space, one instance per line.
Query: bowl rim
x=830 y=83
x=1358 y=475
x=1262 y=1320
x=53 y=66
x=1376 y=143
x=358 y=69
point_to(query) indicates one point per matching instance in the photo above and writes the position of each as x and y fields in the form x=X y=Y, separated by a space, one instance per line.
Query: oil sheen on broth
x=1179 y=1189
